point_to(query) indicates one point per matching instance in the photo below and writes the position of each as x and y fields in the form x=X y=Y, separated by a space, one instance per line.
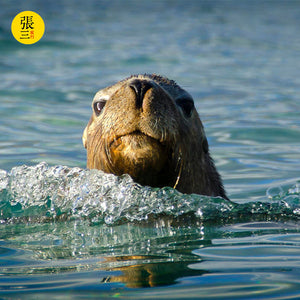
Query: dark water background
x=70 y=233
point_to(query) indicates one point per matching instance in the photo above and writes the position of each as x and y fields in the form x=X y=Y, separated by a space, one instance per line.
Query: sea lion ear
x=85 y=132
x=84 y=138
x=205 y=145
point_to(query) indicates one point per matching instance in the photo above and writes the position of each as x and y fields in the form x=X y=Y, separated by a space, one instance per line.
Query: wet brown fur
x=152 y=140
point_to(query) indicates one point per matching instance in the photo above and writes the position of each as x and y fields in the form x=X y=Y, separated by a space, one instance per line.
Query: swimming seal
x=148 y=127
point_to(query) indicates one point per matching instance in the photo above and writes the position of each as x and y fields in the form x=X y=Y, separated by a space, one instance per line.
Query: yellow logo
x=27 y=27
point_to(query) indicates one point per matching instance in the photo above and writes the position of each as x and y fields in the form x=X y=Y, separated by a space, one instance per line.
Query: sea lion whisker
x=163 y=135
x=180 y=160
x=108 y=154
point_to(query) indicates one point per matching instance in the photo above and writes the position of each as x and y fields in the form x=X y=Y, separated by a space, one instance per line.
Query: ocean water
x=71 y=233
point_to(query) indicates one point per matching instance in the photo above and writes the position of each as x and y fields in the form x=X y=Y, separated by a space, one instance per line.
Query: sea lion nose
x=140 y=88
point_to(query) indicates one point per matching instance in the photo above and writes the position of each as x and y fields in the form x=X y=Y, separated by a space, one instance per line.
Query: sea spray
x=47 y=193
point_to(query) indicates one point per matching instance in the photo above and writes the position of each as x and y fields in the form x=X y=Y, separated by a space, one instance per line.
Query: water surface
x=69 y=233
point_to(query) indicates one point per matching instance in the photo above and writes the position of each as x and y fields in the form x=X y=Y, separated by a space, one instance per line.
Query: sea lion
x=147 y=126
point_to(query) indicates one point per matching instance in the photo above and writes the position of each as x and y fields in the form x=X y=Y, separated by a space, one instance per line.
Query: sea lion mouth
x=137 y=139
x=138 y=146
x=139 y=155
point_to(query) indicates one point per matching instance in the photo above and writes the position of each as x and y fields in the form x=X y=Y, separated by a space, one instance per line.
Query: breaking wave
x=47 y=193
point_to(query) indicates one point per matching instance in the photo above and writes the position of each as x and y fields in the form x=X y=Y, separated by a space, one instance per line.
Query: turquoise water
x=70 y=233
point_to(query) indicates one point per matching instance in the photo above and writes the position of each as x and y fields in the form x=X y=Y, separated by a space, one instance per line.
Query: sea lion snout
x=140 y=87
x=150 y=102
x=147 y=126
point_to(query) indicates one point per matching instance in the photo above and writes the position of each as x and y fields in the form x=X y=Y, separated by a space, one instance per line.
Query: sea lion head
x=147 y=126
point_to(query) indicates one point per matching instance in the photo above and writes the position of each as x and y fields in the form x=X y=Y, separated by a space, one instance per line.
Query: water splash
x=44 y=193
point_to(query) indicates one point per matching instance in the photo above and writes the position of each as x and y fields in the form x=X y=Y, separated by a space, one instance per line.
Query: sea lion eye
x=187 y=106
x=98 y=106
